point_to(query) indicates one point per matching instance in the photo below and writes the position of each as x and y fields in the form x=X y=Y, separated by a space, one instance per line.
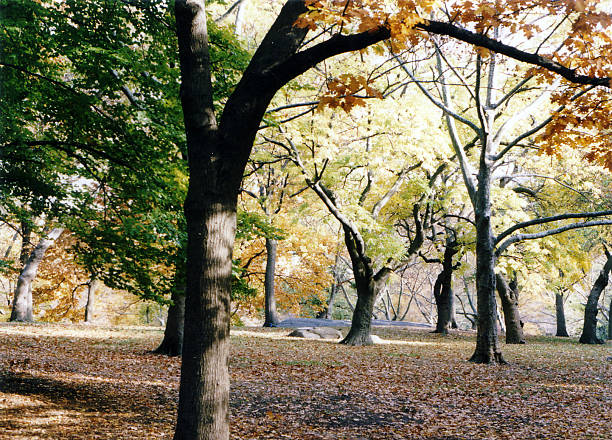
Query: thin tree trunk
x=589 y=330
x=9 y=248
x=172 y=344
x=333 y=291
x=610 y=322
x=239 y=21
x=271 y=315
x=22 y=301
x=454 y=324
x=560 y=314
x=92 y=287
x=508 y=293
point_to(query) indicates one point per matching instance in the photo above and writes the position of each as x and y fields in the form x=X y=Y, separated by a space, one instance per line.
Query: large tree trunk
x=271 y=315
x=92 y=287
x=560 y=314
x=487 y=343
x=22 y=300
x=172 y=344
x=589 y=330
x=508 y=293
x=217 y=159
x=443 y=290
x=368 y=286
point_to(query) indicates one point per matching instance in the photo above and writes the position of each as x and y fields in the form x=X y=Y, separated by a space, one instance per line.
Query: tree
x=589 y=330
x=443 y=287
x=509 y=294
x=22 y=302
x=218 y=153
x=493 y=150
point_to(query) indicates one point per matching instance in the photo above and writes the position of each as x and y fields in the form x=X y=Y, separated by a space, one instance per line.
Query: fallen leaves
x=80 y=382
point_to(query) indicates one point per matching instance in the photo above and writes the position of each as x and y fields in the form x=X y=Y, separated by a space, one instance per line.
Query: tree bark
x=487 y=343
x=217 y=159
x=92 y=287
x=443 y=289
x=610 y=322
x=172 y=344
x=22 y=300
x=271 y=315
x=560 y=314
x=508 y=293
x=333 y=290
x=26 y=242
x=368 y=285
x=589 y=330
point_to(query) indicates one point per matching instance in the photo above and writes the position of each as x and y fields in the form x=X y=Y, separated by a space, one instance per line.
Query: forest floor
x=83 y=382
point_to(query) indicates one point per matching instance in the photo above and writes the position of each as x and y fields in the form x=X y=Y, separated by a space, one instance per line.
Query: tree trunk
x=22 y=301
x=218 y=155
x=9 y=248
x=367 y=285
x=487 y=343
x=172 y=344
x=26 y=243
x=610 y=322
x=271 y=315
x=217 y=158
x=560 y=313
x=508 y=293
x=443 y=289
x=333 y=290
x=589 y=330
x=330 y=302
x=92 y=287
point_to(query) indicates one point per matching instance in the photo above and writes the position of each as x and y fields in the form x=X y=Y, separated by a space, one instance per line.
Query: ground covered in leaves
x=83 y=382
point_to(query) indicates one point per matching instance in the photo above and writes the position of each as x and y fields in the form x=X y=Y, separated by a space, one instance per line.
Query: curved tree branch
x=521 y=237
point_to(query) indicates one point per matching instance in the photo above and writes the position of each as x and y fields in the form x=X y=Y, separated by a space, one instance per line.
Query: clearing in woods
x=84 y=382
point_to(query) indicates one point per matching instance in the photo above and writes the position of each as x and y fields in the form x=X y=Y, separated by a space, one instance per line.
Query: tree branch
x=522 y=237
x=441 y=28
x=554 y=218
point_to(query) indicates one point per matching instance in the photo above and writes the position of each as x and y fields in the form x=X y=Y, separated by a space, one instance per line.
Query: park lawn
x=62 y=381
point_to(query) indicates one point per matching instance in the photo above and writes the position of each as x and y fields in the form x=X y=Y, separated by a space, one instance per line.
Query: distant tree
x=22 y=301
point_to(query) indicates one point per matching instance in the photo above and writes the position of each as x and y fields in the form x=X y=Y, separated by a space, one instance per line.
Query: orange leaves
x=584 y=124
x=342 y=91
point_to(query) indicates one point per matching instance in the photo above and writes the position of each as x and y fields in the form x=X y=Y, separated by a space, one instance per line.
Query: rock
x=304 y=333
x=375 y=339
x=327 y=332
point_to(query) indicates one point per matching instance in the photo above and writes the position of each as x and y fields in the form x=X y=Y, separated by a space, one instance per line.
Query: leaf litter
x=85 y=382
